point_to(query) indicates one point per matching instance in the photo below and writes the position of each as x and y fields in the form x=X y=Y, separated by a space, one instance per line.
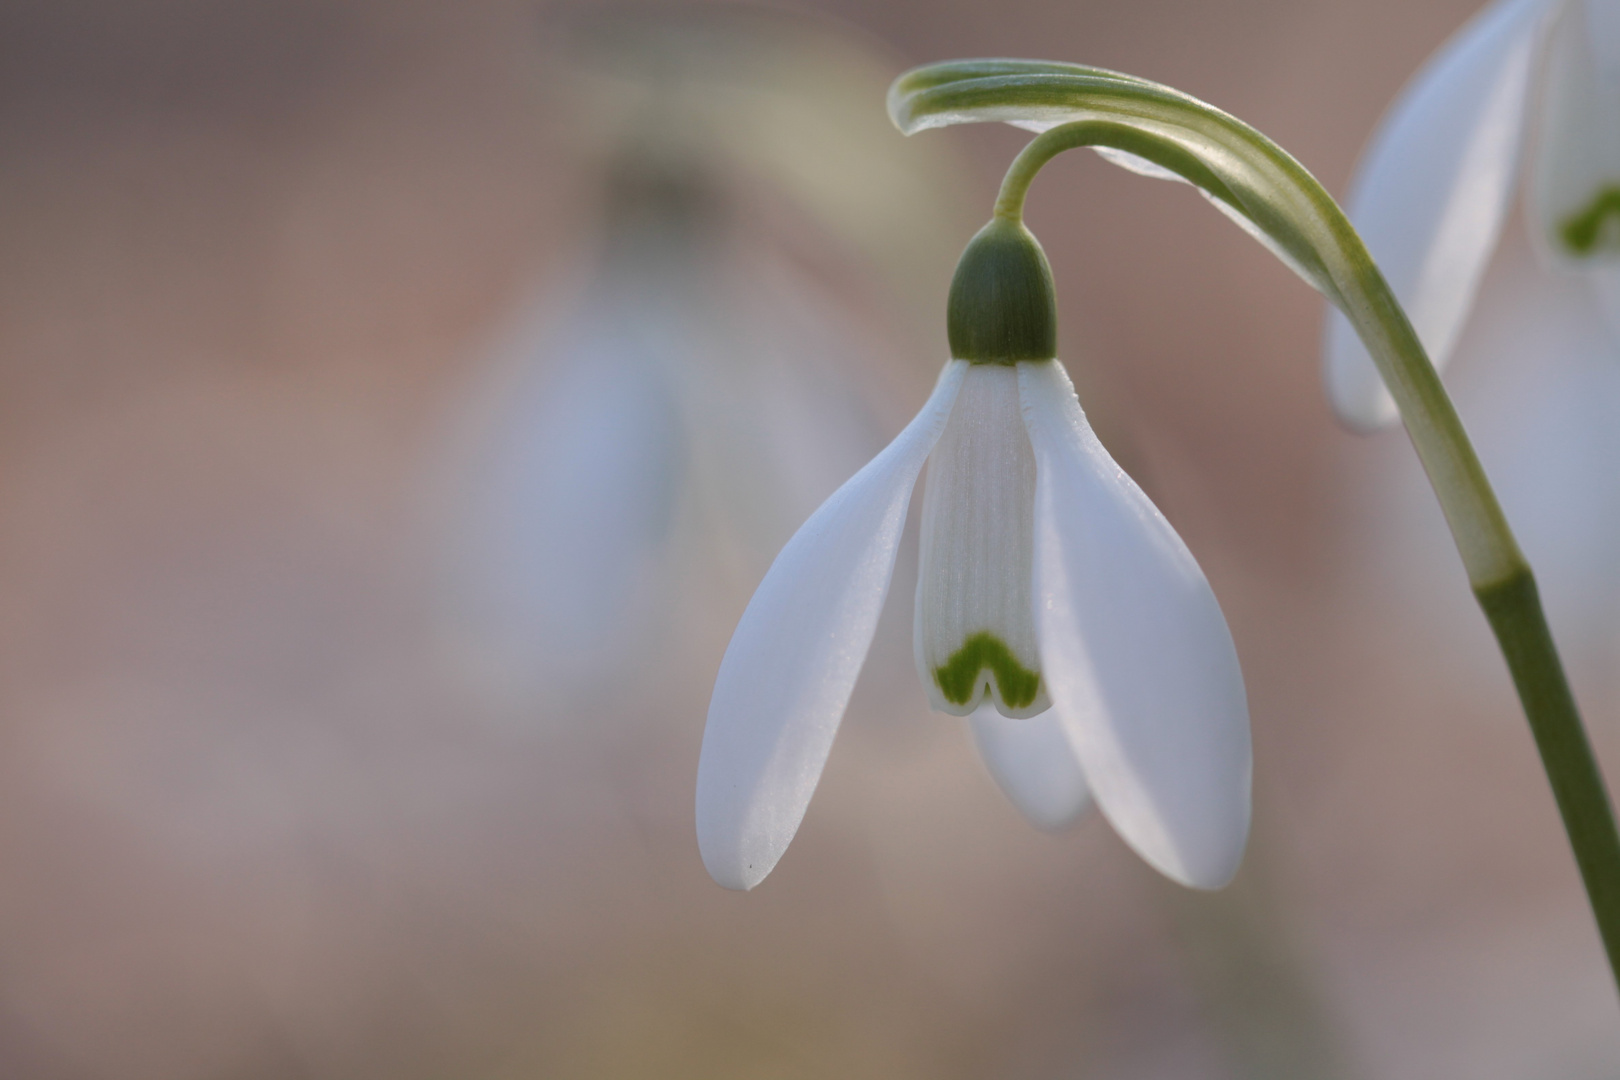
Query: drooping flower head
x=1054 y=601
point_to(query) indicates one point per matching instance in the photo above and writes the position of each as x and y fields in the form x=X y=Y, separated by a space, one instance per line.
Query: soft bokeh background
x=265 y=812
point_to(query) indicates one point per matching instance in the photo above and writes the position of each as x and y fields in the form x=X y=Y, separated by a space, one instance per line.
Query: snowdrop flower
x=1517 y=108
x=1050 y=592
x=1521 y=100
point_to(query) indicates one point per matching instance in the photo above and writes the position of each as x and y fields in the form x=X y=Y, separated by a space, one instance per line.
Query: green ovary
x=959 y=675
x=1582 y=231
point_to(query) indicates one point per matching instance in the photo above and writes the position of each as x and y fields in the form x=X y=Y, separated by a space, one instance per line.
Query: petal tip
x=737 y=879
x=1355 y=390
x=725 y=856
x=1033 y=763
x=1207 y=865
x=1057 y=821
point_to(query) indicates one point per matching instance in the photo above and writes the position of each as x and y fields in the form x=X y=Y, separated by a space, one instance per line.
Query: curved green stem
x=1296 y=217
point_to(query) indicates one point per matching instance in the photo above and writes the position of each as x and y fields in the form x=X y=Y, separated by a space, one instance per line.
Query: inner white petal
x=1034 y=763
x=975 y=628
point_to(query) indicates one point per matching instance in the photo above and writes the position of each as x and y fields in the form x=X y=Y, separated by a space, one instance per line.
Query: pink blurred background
x=262 y=815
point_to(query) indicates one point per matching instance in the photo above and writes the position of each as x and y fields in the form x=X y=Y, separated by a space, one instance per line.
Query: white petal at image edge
x=1137 y=656
x=1033 y=762
x=1432 y=190
x=792 y=663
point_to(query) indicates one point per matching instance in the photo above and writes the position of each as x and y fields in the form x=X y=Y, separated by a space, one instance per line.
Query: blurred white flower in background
x=763 y=252
x=1517 y=108
x=686 y=401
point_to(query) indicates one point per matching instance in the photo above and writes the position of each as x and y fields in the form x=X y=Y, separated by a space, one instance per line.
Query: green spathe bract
x=1002 y=308
x=1283 y=205
x=958 y=677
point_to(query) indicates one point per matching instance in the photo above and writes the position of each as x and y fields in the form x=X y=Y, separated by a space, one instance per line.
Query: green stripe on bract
x=958 y=676
x=1582 y=231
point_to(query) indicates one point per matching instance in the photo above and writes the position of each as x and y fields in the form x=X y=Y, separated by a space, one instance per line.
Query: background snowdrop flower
x=1048 y=580
x=1520 y=102
x=631 y=457
x=659 y=423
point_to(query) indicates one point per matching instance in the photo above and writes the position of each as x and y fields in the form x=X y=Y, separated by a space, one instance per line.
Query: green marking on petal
x=958 y=676
x=1583 y=230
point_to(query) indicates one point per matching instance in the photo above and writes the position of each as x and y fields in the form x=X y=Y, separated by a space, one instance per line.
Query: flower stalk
x=1156 y=130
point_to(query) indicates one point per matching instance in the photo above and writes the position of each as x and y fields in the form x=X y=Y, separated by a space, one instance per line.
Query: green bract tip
x=1002 y=308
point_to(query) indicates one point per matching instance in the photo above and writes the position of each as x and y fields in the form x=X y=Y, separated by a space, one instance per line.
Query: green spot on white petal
x=1595 y=226
x=958 y=678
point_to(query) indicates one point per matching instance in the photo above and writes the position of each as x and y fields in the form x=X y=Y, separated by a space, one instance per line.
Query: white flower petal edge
x=1033 y=762
x=1138 y=659
x=1433 y=189
x=792 y=663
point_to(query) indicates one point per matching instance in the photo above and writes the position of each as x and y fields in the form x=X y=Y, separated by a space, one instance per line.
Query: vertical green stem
x=1515 y=615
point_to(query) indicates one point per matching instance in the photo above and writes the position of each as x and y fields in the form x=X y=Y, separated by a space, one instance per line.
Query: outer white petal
x=1432 y=190
x=792 y=663
x=1136 y=653
x=1034 y=763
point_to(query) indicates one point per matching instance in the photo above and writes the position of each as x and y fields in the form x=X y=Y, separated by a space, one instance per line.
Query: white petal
x=1576 y=179
x=1432 y=190
x=1034 y=763
x=1135 y=651
x=975 y=630
x=792 y=663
